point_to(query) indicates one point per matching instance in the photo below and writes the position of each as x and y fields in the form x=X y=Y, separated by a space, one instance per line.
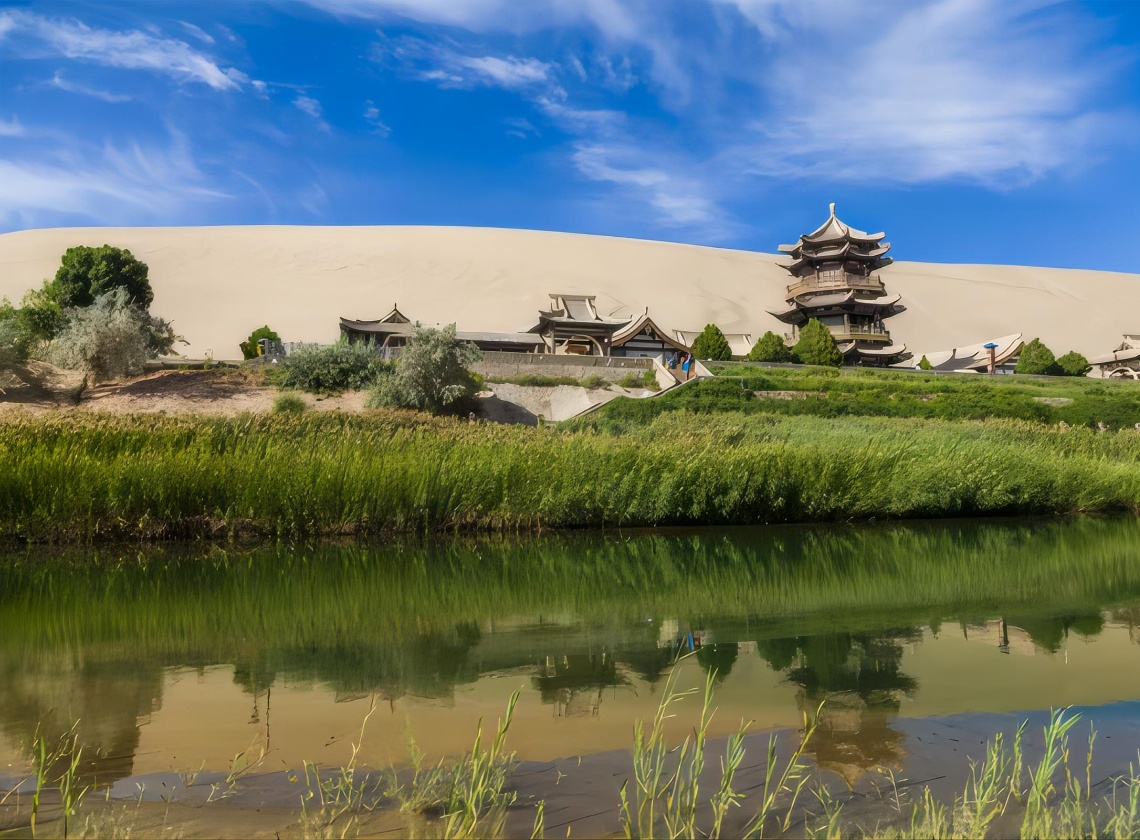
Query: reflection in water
x=844 y=616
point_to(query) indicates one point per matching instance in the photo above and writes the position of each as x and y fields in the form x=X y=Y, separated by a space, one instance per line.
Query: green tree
x=249 y=346
x=86 y=272
x=431 y=373
x=924 y=364
x=770 y=348
x=1073 y=364
x=817 y=346
x=711 y=344
x=1036 y=358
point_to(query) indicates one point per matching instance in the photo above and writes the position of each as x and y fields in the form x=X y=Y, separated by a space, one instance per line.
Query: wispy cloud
x=30 y=34
x=57 y=81
x=102 y=184
x=448 y=66
x=999 y=93
x=11 y=128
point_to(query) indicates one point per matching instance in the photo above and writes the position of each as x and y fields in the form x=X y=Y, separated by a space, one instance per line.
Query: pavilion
x=835 y=283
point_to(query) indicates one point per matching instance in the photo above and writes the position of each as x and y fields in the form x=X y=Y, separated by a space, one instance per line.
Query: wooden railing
x=836 y=280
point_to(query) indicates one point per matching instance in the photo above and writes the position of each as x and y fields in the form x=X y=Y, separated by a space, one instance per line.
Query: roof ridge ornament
x=831 y=207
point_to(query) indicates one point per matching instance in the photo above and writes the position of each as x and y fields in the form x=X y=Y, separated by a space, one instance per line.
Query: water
x=178 y=659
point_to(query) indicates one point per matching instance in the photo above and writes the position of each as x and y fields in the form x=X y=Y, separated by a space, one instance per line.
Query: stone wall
x=611 y=368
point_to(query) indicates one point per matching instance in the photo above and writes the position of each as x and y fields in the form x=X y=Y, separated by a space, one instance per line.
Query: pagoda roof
x=845 y=251
x=739 y=343
x=637 y=325
x=839 y=300
x=834 y=232
x=575 y=309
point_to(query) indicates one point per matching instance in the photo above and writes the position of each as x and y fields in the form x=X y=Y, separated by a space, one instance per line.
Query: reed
x=86 y=478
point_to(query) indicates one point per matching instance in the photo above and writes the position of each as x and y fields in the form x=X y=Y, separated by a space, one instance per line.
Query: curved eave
x=1118 y=356
x=791 y=315
x=889 y=350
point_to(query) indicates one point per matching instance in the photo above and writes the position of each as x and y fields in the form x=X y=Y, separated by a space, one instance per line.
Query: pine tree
x=1073 y=364
x=770 y=348
x=1036 y=358
x=711 y=344
x=817 y=346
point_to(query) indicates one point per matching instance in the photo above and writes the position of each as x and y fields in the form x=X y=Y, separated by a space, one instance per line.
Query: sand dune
x=218 y=283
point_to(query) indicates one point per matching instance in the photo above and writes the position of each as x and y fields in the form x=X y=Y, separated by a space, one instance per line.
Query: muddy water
x=183 y=658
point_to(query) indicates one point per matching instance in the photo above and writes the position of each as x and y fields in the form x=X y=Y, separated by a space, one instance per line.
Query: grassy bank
x=75 y=477
x=853 y=392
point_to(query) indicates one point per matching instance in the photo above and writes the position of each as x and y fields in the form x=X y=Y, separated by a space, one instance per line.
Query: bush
x=13 y=341
x=332 y=368
x=924 y=364
x=249 y=347
x=288 y=404
x=1036 y=358
x=817 y=346
x=1072 y=364
x=646 y=379
x=111 y=338
x=711 y=344
x=431 y=373
x=770 y=348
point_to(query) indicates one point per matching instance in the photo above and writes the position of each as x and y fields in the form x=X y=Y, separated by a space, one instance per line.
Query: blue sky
x=1002 y=131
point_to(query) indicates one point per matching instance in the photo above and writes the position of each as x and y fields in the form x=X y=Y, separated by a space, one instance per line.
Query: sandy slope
x=219 y=283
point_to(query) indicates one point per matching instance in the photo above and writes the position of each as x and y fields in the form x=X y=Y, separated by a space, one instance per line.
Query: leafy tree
x=249 y=346
x=431 y=373
x=334 y=368
x=817 y=346
x=86 y=273
x=111 y=338
x=40 y=316
x=770 y=348
x=924 y=364
x=1072 y=364
x=1036 y=358
x=711 y=344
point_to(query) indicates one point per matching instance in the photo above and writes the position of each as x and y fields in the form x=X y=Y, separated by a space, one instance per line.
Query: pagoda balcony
x=850 y=332
x=828 y=281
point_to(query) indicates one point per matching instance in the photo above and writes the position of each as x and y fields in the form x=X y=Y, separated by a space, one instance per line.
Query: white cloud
x=372 y=117
x=309 y=105
x=57 y=81
x=132 y=50
x=509 y=72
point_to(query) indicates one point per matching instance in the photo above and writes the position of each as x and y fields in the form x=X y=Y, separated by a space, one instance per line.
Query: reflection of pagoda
x=835 y=284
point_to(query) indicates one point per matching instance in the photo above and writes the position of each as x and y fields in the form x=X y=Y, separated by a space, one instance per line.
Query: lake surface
x=180 y=658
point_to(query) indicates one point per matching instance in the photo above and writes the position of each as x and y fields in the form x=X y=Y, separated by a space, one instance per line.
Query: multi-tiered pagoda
x=835 y=283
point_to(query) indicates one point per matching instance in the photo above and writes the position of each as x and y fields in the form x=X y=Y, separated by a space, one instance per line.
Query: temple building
x=571 y=326
x=835 y=283
x=1121 y=363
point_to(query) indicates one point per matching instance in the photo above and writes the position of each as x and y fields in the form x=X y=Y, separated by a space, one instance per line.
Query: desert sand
x=219 y=283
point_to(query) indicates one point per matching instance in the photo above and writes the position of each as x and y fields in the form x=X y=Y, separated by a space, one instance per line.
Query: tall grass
x=87 y=478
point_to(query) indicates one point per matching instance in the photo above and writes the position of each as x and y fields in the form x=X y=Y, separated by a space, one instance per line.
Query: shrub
x=288 y=404
x=817 y=346
x=924 y=364
x=1036 y=358
x=1073 y=364
x=110 y=338
x=249 y=347
x=332 y=368
x=594 y=382
x=770 y=348
x=711 y=344
x=431 y=373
